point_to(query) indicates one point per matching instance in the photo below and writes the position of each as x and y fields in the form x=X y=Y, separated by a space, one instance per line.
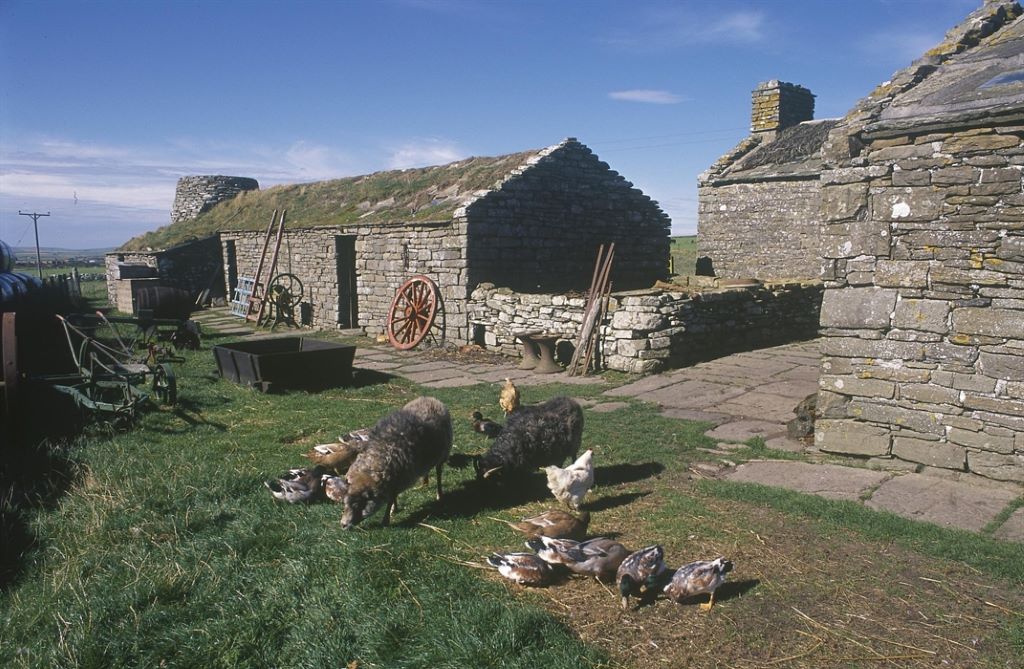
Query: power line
x=35 y=224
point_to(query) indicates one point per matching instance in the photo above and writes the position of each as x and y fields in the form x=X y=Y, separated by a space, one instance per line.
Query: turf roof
x=391 y=197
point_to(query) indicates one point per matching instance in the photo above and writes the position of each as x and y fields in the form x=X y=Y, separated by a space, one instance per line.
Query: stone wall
x=193 y=266
x=762 y=229
x=651 y=330
x=196 y=194
x=385 y=257
x=540 y=230
x=923 y=315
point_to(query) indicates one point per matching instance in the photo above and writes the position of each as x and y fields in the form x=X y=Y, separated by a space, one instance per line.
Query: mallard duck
x=640 y=570
x=697 y=578
x=570 y=485
x=485 y=426
x=335 y=457
x=298 y=485
x=335 y=487
x=556 y=524
x=508 y=400
x=599 y=557
x=523 y=568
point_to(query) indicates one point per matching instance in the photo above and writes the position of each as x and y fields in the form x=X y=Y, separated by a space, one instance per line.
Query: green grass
x=684 y=255
x=166 y=550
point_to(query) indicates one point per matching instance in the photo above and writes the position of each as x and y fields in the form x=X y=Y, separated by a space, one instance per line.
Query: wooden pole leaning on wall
x=273 y=267
x=592 y=317
x=256 y=295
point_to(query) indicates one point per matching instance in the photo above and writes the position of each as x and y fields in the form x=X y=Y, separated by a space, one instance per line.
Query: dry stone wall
x=923 y=315
x=761 y=229
x=648 y=331
x=385 y=257
x=193 y=266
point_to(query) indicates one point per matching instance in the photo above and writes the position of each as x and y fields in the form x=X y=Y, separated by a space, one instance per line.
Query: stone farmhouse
x=759 y=204
x=923 y=255
x=910 y=209
x=529 y=221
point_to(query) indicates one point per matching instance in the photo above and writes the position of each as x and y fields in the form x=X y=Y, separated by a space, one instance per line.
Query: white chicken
x=571 y=484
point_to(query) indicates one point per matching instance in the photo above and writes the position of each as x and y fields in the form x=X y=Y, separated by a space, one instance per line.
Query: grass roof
x=395 y=196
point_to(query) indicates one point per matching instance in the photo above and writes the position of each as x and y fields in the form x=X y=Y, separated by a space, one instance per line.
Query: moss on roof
x=395 y=197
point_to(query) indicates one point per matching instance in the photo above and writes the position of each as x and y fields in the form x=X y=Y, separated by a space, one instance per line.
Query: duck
x=523 y=568
x=697 y=578
x=485 y=426
x=555 y=523
x=337 y=456
x=640 y=570
x=335 y=487
x=508 y=400
x=599 y=557
x=571 y=484
x=298 y=485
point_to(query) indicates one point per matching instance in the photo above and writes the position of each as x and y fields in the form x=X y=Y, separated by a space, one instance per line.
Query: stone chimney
x=778 y=105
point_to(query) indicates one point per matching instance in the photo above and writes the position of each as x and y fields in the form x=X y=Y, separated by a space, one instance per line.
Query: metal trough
x=286 y=363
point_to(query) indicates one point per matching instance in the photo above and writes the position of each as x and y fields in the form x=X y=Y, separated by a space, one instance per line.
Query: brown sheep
x=402 y=448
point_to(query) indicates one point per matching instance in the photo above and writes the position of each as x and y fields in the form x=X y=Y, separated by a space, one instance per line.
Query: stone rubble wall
x=923 y=313
x=193 y=266
x=195 y=194
x=761 y=229
x=539 y=231
x=385 y=257
x=652 y=330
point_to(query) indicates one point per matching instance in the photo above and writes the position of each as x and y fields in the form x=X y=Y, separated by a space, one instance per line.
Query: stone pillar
x=777 y=105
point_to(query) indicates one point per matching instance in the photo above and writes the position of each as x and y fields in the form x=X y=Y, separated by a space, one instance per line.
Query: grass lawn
x=684 y=255
x=163 y=549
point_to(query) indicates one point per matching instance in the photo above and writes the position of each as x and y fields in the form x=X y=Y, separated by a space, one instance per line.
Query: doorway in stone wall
x=345 y=255
x=231 y=265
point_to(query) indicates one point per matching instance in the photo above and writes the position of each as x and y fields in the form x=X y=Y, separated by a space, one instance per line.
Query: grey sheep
x=402 y=448
x=535 y=436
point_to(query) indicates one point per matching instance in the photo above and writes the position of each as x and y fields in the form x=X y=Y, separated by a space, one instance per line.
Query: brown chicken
x=509 y=398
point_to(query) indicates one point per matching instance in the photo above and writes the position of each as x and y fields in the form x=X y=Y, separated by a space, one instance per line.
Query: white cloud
x=685 y=26
x=646 y=95
x=423 y=153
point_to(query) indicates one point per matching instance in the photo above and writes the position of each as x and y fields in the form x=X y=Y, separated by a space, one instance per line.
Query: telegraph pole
x=35 y=224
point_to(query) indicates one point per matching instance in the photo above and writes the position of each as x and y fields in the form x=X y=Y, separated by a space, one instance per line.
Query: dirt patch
x=795 y=599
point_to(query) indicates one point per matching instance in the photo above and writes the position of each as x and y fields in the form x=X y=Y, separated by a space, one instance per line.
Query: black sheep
x=535 y=436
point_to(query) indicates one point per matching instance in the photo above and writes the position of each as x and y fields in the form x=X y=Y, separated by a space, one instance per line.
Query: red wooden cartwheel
x=412 y=312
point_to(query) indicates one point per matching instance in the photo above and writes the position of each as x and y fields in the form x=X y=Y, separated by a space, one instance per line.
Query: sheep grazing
x=534 y=436
x=403 y=447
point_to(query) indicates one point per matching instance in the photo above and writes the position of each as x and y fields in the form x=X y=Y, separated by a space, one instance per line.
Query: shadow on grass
x=612 y=501
x=626 y=473
x=36 y=469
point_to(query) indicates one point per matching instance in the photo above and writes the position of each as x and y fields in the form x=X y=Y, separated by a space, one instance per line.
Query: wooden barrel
x=164 y=302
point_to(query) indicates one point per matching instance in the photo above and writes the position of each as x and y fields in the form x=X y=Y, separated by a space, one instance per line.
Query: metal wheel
x=412 y=312
x=286 y=290
x=165 y=386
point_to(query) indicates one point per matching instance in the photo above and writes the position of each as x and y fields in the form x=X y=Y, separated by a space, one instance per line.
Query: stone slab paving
x=1013 y=528
x=741 y=430
x=824 y=480
x=936 y=500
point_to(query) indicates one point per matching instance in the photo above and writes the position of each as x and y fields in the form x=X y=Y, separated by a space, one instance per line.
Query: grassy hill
x=421 y=194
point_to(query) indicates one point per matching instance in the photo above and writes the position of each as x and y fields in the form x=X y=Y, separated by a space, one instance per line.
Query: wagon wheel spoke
x=412 y=312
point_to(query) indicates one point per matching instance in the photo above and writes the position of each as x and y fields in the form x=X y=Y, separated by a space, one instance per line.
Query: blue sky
x=103 y=105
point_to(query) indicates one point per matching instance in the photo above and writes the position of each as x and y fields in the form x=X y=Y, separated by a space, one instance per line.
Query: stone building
x=190 y=264
x=923 y=251
x=530 y=221
x=759 y=204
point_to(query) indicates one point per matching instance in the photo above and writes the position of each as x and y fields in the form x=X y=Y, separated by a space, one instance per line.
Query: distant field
x=684 y=255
